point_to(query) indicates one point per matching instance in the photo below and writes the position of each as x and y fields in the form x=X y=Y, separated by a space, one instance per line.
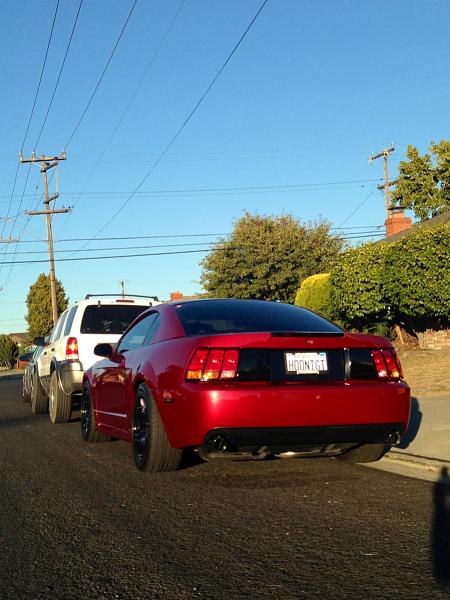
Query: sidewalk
x=428 y=438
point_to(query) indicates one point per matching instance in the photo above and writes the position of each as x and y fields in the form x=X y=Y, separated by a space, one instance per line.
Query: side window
x=59 y=325
x=154 y=326
x=54 y=330
x=69 y=320
x=135 y=337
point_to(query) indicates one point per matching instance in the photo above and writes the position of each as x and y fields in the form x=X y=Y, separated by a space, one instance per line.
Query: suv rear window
x=109 y=318
x=241 y=316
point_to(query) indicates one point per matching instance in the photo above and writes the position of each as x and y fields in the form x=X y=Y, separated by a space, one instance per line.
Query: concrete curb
x=427 y=462
x=11 y=376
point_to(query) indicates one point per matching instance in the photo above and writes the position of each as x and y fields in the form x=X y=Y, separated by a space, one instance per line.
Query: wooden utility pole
x=385 y=154
x=47 y=163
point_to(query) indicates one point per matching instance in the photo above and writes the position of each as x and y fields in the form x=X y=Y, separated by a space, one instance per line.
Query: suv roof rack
x=155 y=298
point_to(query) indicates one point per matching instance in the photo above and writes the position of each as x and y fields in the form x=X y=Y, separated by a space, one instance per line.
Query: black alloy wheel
x=141 y=429
x=88 y=428
x=86 y=420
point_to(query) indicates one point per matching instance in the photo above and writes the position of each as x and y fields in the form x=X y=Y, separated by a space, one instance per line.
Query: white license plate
x=306 y=363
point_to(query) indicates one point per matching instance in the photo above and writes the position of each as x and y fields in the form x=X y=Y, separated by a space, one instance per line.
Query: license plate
x=306 y=363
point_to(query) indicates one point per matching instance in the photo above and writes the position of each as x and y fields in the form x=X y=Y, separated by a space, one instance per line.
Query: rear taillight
x=387 y=364
x=393 y=364
x=212 y=365
x=72 y=348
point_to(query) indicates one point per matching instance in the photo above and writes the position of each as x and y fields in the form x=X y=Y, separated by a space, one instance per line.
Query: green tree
x=417 y=278
x=267 y=257
x=9 y=351
x=357 y=294
x=424 y=181
x=39 y=303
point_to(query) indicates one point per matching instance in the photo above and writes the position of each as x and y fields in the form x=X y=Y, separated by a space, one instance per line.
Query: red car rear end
x=232 y=377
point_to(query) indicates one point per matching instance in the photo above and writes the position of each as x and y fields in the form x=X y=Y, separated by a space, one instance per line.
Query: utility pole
x=47 y=163
x=385 y=154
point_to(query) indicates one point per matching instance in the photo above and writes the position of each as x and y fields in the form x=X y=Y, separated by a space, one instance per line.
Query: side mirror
x=104 y=350
x=39 y=341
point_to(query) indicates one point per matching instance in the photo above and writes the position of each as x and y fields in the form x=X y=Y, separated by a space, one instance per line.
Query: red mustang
x=244 y=377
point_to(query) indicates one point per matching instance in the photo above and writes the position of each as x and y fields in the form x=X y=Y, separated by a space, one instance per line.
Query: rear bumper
x=71 y=376
x=297 y=439
x=364 y=411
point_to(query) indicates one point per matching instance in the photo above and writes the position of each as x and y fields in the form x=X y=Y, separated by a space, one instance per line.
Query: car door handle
x=53 y=349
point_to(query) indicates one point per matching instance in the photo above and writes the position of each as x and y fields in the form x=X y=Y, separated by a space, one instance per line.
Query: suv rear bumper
x=71 y=375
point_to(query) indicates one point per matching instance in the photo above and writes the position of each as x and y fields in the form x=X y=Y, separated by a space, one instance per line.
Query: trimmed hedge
x=314 y=293
x=408 y=280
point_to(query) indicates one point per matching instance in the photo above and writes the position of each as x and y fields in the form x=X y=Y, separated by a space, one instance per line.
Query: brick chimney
x=396 y=221
x=175 y=296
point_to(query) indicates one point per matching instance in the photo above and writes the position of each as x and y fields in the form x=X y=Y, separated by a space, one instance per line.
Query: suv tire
x=151 y=449
x=39 y=401
x=59 y=403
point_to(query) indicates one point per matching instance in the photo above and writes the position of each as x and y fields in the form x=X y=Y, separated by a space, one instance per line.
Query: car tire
x=39 y=401
x=59 y=403
x=364 y=454
x=89 y=432
x=151 y=449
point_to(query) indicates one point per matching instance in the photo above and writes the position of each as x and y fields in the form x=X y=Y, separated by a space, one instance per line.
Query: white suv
x=69 y=350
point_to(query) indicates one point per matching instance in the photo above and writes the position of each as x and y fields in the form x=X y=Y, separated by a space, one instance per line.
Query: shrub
x=357 y=286
x=417 y=276
x=9 y=351
x=314 y=293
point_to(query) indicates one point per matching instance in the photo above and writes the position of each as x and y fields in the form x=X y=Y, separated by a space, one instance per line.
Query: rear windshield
x=240 y=316
x=109 y=318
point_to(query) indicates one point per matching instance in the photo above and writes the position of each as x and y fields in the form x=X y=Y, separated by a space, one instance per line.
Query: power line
x=32 y=110
x=289 y=187
x=121 y=256
x=101 y=76
x=59 y=74
x=182 y=126
x=360 y=234
x=122 y=116
x=357 y=208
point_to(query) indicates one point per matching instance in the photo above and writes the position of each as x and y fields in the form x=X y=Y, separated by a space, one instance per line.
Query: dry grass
x=427 y=371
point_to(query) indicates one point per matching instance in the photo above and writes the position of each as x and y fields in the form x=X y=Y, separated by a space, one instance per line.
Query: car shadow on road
x=440 y=534
x=415 y=420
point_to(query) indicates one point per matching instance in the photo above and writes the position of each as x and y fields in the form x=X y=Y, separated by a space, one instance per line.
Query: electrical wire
x=289 y=187
x=32 y=111
x=59 y=74
x=101 y=76
x=181 y=127
x=128 y=106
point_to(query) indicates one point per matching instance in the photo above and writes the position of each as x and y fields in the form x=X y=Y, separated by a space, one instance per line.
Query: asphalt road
x=78 y=521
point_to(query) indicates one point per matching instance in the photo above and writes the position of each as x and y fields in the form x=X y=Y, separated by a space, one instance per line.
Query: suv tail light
x=72 y=348
x=212 y=364
x=387 y=364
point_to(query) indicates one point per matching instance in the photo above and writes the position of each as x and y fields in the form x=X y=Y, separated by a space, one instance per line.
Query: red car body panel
x=189 y=410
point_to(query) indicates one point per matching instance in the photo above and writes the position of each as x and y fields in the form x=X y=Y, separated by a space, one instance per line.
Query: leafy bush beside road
x=9 y=351
x=314 y=293
x=407 y=281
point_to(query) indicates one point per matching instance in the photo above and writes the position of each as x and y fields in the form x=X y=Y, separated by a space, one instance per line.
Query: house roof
x=19 y=338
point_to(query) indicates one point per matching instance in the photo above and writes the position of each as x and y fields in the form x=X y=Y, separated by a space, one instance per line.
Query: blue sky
x=314 y=88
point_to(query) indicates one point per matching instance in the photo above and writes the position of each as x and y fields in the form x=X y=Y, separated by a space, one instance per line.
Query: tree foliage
x=314 y=293
x=417 y=276
x=267 y=257
x=424 y=181
x=407 y=281
x=357 y=294
x=9 y=351
x=39 y=303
